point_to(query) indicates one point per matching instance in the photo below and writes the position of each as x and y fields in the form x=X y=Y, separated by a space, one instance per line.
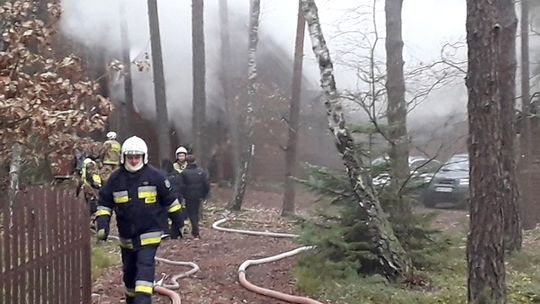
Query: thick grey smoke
x=97 y=25
x=428 y=24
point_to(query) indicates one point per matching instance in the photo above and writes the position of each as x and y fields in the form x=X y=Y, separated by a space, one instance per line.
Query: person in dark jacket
x=137 y=192
x=195 y=188
x=176 y=183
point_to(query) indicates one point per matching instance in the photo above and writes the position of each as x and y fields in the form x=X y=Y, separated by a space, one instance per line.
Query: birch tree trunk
x=396 y=106
x=230 y=109
x=529 y=209
x=127 y=104
x=162 y=117
x=14 y=173
x=394 y=261
x=199 y=80
x=241 y=179
x=507 y=85
x=489 y=27
x=294 y=117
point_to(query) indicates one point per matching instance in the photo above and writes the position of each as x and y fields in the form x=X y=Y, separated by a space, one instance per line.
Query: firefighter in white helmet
x=139 y=194
x=180 y=163
x=109 y=155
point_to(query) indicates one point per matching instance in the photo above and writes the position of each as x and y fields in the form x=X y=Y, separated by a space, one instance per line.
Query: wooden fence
x=45 y=249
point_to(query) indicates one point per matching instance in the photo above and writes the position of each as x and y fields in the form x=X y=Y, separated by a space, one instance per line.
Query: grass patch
x=446 y=274
x=104 y=255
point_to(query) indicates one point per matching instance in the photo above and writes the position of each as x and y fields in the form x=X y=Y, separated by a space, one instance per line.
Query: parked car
x=420 y=168
x=449 y=185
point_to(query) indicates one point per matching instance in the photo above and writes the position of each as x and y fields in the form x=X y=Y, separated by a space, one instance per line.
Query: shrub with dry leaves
x=45 y=101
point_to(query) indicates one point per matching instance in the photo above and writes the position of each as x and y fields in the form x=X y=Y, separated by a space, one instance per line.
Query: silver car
x=450 y=185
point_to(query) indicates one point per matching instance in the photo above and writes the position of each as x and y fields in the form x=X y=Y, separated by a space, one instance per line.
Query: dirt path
x=219 y=254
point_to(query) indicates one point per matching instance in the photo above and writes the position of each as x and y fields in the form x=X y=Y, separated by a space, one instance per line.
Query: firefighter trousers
x=192 y=207
x=138 y=266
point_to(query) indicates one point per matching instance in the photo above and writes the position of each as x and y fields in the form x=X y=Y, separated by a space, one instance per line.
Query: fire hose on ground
x=167 y=290
x=243 y=267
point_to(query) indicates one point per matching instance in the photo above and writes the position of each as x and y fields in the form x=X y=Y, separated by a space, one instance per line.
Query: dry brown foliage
x=45 y=101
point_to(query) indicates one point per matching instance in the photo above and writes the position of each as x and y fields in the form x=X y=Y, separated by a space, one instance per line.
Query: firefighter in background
x=175 y=178
x=195 y=188
x=180 y=163
x=109 y=155
x=138 y=193
x=89 y=184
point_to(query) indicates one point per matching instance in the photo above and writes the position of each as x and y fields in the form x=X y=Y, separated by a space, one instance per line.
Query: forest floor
x=219 y=254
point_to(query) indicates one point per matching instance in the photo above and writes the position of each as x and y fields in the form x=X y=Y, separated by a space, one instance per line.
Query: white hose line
x=166 y=289
x=176 y=277
x=243 y=267
x=173 y=296
x=263 y=233
x=274 y=258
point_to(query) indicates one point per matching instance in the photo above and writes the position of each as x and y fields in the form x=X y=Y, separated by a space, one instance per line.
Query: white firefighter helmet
x=181 y=150
x=88 y=161
x=111 y=135
x=134 y=146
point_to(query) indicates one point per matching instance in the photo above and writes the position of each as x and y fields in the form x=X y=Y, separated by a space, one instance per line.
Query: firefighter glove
x=176 y=229
x=102 y=234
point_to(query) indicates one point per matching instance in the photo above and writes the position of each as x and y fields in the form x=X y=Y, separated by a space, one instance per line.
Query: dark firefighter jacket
x=176 y=183
x=194 y=183
x=138 y=199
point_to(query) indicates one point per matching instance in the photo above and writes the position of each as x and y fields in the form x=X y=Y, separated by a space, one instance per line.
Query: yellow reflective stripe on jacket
x=175 y=206
x=83 y=174
x=102 y=210
x=111 y=152
x=96 y=179
x=148 y=193
x=116 y=147
x=144 y=286
x=150 y=238
x=120 y=197
x=111 y=162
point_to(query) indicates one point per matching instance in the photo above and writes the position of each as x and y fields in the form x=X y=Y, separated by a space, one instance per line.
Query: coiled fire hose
x=167 y=289
x=243 y=267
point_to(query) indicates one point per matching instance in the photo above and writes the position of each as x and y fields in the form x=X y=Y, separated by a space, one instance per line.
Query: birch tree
x=490 y=81
x=529 y=210
x=395 y=262
x=14 y=173
x=507 y=85
x=294 y=117
x=246 y=144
